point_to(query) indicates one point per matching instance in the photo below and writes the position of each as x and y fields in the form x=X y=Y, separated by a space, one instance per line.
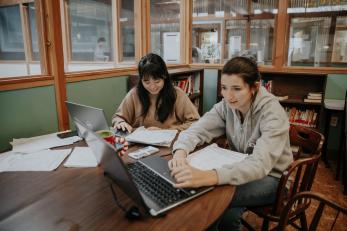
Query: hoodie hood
x=263 y=97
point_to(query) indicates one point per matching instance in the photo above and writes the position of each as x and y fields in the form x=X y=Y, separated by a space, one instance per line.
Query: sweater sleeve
x=267 y=151
x=211 y=125
x=185 y=110
x=126 y=110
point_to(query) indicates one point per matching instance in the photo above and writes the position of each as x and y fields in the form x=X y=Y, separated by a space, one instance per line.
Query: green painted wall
x=336 y=86
x=335 y=89
x=104 y=93
x=210 y=88
x=27 y=113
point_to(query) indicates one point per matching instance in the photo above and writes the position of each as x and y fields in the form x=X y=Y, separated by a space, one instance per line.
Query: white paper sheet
x=162 y=137
x=44 y=160
x=213 y=157
x=81 y=157
x=38 y=143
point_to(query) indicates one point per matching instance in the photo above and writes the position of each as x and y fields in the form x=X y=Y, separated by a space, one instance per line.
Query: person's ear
x=255 y=88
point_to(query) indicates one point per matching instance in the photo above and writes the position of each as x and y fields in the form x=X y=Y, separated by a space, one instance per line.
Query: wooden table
x=80 y=199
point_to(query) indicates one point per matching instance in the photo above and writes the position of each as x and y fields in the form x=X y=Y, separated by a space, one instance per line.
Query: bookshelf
x=296 y=88
x=190 y=80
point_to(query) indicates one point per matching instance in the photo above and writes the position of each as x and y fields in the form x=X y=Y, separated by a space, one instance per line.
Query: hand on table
x=124 y=126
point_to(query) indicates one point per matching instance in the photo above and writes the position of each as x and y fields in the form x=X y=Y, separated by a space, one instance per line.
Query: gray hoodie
x=264 y=133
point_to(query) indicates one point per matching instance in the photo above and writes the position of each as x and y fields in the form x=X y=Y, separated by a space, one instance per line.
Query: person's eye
x=157 y=81
x=224 y=88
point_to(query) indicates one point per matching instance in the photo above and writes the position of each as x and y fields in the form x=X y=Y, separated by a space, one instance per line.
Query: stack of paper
x=33 y=154
x=81 y=157
x=38 y=143
x=213 y=157
x=160 y=137
x=45 y=160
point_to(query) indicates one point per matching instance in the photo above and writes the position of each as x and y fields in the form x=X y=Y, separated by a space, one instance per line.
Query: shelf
x=299 y=101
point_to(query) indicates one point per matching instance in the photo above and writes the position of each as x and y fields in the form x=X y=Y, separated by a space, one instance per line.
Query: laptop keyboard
x=155 y=187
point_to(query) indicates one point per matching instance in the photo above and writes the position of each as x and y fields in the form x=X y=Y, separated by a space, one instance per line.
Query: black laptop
x=147 y=182
x=94 y=118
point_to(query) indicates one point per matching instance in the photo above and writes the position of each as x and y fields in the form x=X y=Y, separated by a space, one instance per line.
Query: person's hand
x=122 y=141
x=187 y=176
x=124 y=126
x=153 y=128
x=179 y=159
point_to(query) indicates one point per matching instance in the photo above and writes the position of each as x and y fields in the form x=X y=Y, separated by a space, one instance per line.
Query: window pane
x=317 y=34
x=127 y=30
x=236 y=37
x=11 y=35
x=339 y=56
x=90 y=30
x=165 y=29
x=247 y=28
x=262 y=39
x=33 y=32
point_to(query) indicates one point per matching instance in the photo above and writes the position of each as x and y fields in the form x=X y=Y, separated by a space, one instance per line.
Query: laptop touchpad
x=158 y=165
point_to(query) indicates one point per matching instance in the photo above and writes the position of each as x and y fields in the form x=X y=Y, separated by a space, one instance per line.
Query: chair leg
x=303 y=222
x=265 y=226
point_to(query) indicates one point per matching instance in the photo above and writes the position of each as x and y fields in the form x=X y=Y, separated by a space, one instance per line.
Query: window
x=317 y=34
x=98 y=36
x=19 y=40
x=165 y=29
x=234 y=28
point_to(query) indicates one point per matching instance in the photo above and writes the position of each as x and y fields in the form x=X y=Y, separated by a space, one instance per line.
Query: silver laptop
x=94 y=118
x=147 y=182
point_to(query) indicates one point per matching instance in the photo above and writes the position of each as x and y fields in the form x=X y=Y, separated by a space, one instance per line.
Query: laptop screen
x=92 y=117
x=111 y=163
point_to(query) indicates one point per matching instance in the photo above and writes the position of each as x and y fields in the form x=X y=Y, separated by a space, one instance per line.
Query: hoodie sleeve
x=267 y=151
x=211 y=125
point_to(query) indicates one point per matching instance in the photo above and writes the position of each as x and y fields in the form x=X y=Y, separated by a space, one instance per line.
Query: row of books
x=186 y=84
x=307 y=118
x=314 y=97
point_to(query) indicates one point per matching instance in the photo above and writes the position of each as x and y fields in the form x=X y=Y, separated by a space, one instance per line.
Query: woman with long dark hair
x=155 y=103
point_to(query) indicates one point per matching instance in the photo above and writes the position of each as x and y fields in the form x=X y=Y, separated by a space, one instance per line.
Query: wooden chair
x=299 y=177
x=310 y=198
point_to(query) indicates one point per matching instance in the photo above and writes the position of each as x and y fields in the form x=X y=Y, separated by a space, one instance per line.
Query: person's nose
x=229 y=95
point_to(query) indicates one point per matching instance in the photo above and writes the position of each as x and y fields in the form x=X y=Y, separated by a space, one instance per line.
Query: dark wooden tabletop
x=80 y=199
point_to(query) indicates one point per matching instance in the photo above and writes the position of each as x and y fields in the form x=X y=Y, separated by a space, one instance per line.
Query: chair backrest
x=311 y=197
x=300 y=174
x=309 y=141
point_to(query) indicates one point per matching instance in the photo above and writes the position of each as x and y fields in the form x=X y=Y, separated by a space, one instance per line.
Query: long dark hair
x=153 y=66
x=244 y=67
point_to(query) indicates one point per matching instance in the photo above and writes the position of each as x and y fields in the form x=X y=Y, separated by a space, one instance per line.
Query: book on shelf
x=282 y=97
x=267 y=84
x=307 y=118
x=315 y=94
x=314 y=97
x=312 y=100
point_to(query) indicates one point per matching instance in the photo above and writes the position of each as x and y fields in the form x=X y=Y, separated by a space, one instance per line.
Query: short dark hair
x=243 y=67
x=153 y=66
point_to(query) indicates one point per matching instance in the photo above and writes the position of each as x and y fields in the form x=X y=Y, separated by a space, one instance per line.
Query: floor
x=326 y=184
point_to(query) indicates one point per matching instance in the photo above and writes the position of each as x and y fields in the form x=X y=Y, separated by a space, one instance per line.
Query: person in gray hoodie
x=255 y=123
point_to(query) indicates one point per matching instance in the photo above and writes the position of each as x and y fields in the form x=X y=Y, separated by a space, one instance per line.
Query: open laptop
x=147 y=182
x=92 y=117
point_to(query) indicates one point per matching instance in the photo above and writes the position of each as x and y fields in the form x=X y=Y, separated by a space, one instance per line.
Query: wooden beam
x=281 y=32
x=142 y=28
x=186 y=31
x=55 y=50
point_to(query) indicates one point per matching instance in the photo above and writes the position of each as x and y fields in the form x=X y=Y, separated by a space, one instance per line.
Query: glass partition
x=99 y=34
x=317 y=34
x=165 y=29
x=241 y=27
x=19 y=40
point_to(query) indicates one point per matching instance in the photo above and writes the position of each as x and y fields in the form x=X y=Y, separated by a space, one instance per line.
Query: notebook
x=94 y=118
x=147 y=182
